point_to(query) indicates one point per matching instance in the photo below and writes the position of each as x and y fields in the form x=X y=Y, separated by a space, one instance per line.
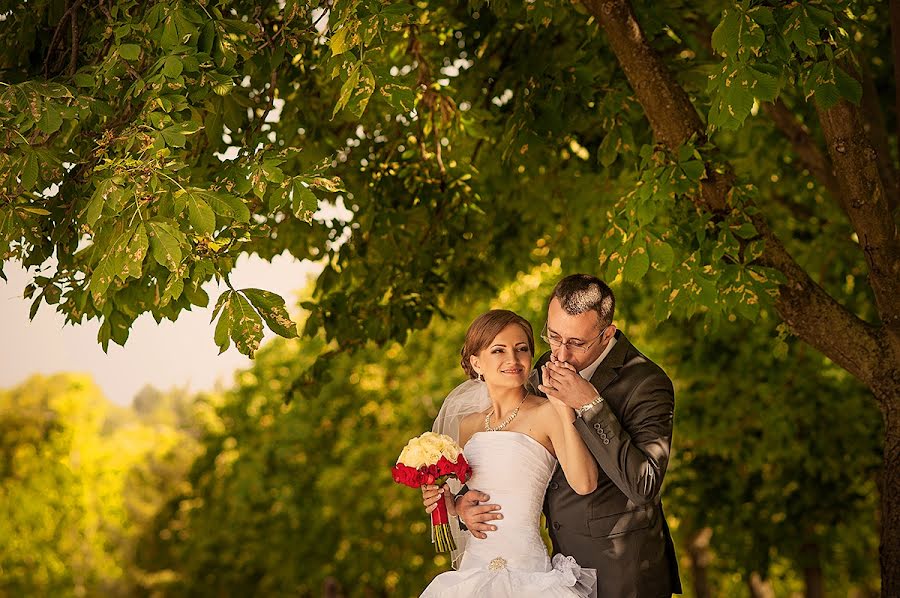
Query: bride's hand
x=431 y=494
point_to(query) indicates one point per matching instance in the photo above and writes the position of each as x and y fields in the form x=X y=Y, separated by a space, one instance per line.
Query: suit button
x=597 y=427
x=606 y=441
x=554 y=485
x=556 y=525
x=603 y=435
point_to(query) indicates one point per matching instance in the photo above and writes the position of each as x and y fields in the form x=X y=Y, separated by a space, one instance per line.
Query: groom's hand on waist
x=475 y=514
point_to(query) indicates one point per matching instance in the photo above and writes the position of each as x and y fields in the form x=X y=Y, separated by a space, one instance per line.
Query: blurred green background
x=263 y=490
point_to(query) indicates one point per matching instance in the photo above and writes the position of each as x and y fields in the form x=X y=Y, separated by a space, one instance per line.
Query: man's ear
x=608 y=334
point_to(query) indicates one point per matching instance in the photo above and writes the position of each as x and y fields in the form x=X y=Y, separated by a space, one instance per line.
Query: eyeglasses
x=576 y=346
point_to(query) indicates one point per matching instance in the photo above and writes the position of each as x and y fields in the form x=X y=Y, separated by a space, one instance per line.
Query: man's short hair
x=579 y=293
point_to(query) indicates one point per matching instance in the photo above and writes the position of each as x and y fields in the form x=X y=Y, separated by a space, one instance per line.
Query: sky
x=165 y=355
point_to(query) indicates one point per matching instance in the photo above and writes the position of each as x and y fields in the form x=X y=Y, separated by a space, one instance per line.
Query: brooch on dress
x=497 y=564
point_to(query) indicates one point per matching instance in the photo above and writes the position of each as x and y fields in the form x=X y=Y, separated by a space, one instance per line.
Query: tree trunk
x=890 y=496
x=871 y=352
x=812 y=571
x=698 y=550
x=331 y=588
x=759 y=587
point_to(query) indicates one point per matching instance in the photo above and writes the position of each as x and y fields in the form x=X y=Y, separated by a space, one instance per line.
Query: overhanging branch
x=812 y=314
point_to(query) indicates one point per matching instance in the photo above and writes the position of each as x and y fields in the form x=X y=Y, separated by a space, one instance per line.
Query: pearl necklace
x=505 y=422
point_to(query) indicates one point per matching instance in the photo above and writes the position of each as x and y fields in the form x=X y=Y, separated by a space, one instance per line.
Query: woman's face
x=506 y=362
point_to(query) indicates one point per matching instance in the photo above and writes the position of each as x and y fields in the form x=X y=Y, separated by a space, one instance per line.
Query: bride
x=513 y=441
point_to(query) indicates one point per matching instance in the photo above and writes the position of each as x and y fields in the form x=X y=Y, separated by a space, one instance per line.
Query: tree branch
x=56 y=33
x=864 y=201
x=807 y=149
x=817 y=318
x=876 y=129
x=810 y=311
x=666 y=105
x=895 y=44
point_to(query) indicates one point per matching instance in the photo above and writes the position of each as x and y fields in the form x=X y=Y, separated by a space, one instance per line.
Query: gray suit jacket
x=620 y=529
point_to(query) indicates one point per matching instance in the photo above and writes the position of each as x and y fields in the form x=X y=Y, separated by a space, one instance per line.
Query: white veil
x=469 y=397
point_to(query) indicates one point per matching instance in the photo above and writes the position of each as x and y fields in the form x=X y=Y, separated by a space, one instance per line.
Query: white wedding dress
x=514 y=470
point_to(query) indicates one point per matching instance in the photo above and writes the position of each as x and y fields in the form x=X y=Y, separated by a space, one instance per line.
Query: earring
x=481 y=377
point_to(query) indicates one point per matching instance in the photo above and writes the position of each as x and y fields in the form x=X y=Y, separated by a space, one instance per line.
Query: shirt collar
x=588 y=372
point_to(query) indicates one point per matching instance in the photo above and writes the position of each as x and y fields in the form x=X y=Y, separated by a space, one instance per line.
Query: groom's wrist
x=584 y=409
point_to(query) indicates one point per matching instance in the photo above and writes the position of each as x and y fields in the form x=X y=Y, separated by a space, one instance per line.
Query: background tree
x=145 y=152
x=81 y=480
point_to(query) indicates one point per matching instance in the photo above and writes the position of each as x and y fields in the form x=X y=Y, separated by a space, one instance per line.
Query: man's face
x=570 y=334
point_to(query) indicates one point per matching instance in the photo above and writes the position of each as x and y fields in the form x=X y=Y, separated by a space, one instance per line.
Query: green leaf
x=105 y=190
x=201 y=216
x=762 y=15
x=172 y=67
x=400 y=97
x=130 y=51
x=102 y=277
x=29 y=172
x=119 y=328
x=173 y=136
x=364 y=89
x=343 y=39
x=33 y=210
x=662 y=255
x=169 y=37
x=347 y=89
x=222 y=335
x=246 y=325
x=272 y=308
x=165 y=244
x=194 y=292
x=763 y=86
x=51 y=119
x=725 y=39
x=238 y=322
x=134 y=254
x=608 y=150
x=173 y=289
x=225 y=204
x=636 y=264
x=303 y=202
x=220 y=303
x=847 y=85
x=827 y=95
x=693 y=169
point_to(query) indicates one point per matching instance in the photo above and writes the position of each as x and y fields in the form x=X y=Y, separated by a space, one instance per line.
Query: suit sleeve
x=634 y=453
x=459 y=521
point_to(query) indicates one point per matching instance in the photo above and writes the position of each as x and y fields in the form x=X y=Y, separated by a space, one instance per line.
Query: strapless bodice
x=514 y=470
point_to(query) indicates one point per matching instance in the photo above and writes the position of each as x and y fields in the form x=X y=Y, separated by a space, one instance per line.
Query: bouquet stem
x=440 y=524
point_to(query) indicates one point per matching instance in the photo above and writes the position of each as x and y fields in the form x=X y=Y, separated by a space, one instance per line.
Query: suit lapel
x=612 y=363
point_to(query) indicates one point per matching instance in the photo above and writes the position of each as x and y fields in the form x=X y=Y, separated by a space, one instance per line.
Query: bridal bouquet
x=431 y=459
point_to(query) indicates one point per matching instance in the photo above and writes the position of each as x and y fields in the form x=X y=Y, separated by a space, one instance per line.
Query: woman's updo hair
x=485 y=329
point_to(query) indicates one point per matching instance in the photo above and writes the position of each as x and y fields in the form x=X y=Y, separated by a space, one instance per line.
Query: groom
x=624 y=405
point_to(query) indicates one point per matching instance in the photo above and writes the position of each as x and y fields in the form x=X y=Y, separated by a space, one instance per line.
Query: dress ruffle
x=565 y=579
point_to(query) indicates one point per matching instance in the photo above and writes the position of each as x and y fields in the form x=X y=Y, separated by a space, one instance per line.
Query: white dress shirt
x=588 y=372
